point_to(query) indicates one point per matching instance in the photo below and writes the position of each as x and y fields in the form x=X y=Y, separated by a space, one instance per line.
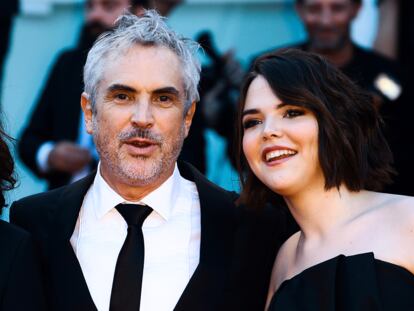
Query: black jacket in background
x=56 y=114
x=21 y=287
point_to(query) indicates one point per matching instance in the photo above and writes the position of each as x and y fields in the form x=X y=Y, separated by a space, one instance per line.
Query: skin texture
x=271 y=124
x=140 y=124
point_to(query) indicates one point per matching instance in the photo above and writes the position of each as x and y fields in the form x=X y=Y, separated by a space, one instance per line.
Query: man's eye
x=121 y=97
x=293 y=113
x=313 y=9
x=250 y=123
x=164 y=98
x=338 y=8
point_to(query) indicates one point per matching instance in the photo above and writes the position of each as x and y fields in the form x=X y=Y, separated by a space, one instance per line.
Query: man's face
x=101 y=14
x=139 y=123
x=327 y=22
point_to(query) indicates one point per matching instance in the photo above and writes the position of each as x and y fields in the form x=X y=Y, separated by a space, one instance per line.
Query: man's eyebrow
x=168 y=90
x=121 y=87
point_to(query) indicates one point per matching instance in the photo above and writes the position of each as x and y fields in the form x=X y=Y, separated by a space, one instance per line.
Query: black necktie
x=126 y=288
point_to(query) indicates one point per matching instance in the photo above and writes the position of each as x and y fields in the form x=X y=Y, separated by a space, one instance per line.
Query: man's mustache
x=326 y=29
x=140 y=133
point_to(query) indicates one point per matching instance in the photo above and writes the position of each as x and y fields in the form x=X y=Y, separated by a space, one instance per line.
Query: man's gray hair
x=147 y=30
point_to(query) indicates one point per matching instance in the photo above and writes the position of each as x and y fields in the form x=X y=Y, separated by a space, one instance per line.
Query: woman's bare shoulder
x=284 y=260
x=398 y=214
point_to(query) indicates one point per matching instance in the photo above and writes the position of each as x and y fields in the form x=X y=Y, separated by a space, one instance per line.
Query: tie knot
x=134 y=214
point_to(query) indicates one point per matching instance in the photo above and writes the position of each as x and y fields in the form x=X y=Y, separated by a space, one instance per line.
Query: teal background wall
x=46 y=27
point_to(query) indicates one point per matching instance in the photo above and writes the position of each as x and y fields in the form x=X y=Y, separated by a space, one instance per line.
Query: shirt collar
x=161 y=200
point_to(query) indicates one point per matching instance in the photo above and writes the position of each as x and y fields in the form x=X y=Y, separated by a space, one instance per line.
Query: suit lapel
x=218 y=226
x=69 y=288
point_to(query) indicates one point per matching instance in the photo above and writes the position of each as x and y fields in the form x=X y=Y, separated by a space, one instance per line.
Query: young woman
x=20 y=278
x=312 y=140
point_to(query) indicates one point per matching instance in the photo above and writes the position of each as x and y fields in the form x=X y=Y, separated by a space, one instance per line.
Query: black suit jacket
x=21 y=287
x=8 y=8
x=237 y=248
x=57 y=113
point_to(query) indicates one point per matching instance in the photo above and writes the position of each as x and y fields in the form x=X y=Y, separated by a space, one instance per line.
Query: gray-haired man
x=140 y=94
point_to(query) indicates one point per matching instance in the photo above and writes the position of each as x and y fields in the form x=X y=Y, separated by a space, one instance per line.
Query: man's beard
x=324 y=46
x=145 y=170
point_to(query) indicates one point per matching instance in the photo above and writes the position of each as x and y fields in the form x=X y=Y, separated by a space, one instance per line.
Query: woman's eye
x=250 y=123
x=292 y=113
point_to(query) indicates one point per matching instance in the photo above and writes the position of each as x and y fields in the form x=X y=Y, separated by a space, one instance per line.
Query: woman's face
x=280 y=141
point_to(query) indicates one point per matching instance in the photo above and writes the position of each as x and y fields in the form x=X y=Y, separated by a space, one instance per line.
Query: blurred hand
x=68 y=157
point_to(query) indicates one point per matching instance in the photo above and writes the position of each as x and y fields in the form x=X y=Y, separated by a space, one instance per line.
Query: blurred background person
x=21 y=285
x=55 y=145
x=8 y=9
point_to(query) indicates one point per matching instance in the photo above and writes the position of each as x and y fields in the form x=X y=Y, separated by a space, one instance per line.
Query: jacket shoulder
x=32 y=211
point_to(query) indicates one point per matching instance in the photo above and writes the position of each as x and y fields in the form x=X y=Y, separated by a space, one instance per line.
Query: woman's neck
x=320 y=212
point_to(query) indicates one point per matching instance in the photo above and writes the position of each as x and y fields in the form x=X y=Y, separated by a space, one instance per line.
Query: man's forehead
x=156 y=63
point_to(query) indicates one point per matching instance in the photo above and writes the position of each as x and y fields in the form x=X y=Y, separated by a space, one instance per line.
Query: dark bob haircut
x=351 y=147
x=7 y=180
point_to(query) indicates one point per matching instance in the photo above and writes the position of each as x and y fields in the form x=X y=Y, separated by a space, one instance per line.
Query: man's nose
x=326 y=16
x=142 y=114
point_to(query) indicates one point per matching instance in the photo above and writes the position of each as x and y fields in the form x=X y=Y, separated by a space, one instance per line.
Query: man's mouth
x=141 y=147
x=140 y=143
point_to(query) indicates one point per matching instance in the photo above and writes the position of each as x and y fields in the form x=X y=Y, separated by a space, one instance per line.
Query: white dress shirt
x=171 y=236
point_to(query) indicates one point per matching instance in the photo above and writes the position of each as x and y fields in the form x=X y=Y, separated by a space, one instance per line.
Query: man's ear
x=87 y=111
x=189 y=117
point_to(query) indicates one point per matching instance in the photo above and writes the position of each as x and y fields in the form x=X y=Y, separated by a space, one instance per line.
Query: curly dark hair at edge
x=7 y=180
x=351 y=146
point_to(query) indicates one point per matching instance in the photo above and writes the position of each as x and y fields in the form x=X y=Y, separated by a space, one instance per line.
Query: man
x=201 y=252
x=53 y=145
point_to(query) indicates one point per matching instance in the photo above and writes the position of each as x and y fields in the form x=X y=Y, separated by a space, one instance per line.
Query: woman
x=312 y=138
x=20 y=279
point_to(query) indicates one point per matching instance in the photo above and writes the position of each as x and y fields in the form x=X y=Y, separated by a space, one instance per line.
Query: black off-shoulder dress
x=349 y=283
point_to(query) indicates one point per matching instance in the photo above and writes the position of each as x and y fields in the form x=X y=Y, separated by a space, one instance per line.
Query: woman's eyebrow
x=250 y=111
